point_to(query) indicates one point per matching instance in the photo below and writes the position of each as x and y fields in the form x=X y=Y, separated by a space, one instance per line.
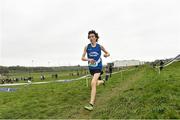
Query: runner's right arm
x=84 y=56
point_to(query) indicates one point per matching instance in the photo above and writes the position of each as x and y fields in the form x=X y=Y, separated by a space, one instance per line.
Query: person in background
x=110 y=70
x=107 y=73
x=161 y=65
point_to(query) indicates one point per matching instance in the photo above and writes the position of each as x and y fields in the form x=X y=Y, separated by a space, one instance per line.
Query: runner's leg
x=93 y=87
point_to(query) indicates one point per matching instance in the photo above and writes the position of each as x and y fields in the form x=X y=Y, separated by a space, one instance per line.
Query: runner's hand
x=92 y=61
x=106 y=55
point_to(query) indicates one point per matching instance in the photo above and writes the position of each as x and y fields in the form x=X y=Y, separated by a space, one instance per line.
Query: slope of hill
x=137 y=93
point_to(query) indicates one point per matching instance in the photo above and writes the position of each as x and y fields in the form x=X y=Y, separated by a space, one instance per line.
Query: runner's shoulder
x=102 y=47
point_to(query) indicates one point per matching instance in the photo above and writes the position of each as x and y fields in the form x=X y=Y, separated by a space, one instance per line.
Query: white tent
x=123 y=63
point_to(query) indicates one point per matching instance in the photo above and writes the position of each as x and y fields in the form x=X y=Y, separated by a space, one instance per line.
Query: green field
x=138 y=93
x=48 y=75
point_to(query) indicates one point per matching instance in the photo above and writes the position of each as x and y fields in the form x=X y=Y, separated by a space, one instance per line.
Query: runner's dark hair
x=95 y=33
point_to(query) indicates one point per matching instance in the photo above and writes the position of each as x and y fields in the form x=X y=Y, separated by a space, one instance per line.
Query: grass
x=138 y=93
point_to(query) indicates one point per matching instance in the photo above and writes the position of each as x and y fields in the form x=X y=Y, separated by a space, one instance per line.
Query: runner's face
x=92 y=38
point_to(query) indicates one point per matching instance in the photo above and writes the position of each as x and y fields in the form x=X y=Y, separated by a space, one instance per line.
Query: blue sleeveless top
x=94 y=53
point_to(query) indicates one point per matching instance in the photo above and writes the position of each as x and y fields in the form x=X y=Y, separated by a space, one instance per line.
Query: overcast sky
x=54 y=32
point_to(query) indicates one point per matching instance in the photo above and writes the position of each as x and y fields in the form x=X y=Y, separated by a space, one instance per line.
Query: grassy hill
x=137 y=93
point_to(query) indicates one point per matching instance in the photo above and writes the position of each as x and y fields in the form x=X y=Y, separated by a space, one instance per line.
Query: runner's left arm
x=105 y=51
